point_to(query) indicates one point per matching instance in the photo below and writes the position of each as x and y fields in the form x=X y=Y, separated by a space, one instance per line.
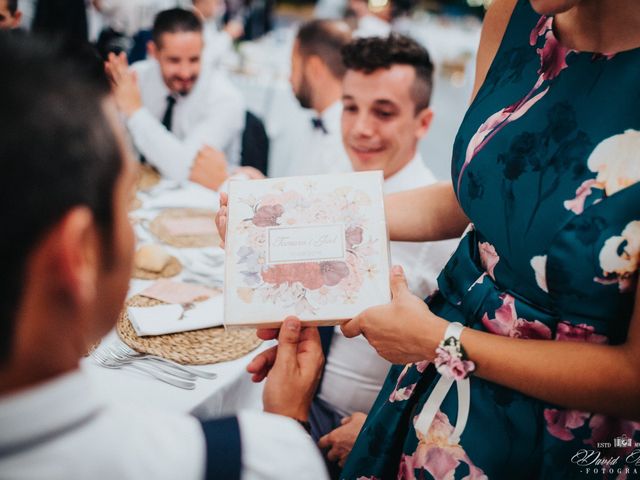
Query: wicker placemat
x=199 y=347
x=173 y=268
x=148 y=177
x=184 y=241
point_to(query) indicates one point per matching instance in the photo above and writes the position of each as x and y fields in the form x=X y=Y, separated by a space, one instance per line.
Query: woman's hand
x=221 y=218
x=403 y=331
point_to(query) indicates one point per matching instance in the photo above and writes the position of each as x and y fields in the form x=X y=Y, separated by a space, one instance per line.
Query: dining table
x=232 y=389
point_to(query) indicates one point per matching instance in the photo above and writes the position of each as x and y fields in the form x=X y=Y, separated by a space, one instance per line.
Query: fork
x=128 y=352
x=104 y=361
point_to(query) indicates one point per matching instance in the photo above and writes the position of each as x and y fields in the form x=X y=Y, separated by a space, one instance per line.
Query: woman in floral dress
x=545 y=167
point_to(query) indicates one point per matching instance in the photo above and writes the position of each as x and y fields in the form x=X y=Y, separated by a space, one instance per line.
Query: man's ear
x=17 y=19
x=75 y=246
x=423 y=119
x=316 y=68
x=152 y=49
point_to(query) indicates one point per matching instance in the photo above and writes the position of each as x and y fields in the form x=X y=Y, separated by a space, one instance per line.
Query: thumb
x=288 y=340
x=345 y=420
x=398 y=281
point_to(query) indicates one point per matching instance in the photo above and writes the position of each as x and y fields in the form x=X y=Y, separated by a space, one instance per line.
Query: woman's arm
x=433 y=213
x=425 y=214
x=581 y=376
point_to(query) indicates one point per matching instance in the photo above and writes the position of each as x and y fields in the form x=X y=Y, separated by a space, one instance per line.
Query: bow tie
x=318 y=124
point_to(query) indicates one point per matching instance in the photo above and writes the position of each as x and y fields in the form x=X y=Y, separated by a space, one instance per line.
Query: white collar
x=331 y=117
x=412 y=175
x=45 y=409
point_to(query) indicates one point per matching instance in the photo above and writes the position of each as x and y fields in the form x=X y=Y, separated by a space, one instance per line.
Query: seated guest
x=10 y=16
x=174 y=106
x=217 y=40
x=386 y=94
x=67 y=255
x=316 y=81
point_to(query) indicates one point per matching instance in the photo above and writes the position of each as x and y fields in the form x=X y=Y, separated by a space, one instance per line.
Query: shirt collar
x=46 y=408
x=407 y=175
x=331 y=117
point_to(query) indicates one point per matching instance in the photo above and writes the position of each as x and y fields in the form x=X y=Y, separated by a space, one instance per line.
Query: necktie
x=318 y=124
x=166 y=119
x=168 y=113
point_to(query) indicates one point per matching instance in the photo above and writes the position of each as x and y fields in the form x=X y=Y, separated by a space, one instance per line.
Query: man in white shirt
x=386 y=93
x=316 y=80
x=217 y=41
x=174 y=105
x=67 y=261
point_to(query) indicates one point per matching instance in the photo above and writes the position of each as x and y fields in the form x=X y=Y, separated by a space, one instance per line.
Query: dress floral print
x=546 y=165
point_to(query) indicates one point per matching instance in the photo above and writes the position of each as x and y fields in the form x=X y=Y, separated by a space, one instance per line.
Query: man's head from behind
x=386 y=94
x=66 y=242
x=177 y=45
x=316 y=58
x=10 y=16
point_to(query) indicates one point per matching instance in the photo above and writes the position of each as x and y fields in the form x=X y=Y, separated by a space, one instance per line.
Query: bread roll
x=152 y=258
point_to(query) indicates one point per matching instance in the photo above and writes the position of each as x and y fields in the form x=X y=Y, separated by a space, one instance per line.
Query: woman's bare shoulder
x=493 y=28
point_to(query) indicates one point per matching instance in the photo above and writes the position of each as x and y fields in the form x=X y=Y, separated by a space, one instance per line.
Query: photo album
x=315 y=247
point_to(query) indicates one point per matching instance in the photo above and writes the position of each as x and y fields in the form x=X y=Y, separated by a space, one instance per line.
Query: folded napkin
x=165 y=319
x=169 y=291
x=188 y=226
x=190 y=195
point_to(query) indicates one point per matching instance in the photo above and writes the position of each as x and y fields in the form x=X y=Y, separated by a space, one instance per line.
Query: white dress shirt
x=61 y=430
x=354 y=372
x=211 y=114
x=322 y=152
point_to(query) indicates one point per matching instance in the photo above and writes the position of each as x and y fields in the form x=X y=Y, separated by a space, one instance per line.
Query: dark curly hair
x=373 y=53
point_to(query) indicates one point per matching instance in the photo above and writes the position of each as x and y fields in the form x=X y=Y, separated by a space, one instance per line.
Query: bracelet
x=451 y=359
x=304 y=424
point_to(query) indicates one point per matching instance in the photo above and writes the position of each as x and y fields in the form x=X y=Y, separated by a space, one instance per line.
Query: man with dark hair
x=67 y=249
x=316 y=80
x=10 y=16
x=182 y=115
x=386 y=93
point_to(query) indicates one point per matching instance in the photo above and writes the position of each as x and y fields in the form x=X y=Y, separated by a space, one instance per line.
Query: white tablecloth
x=232 y=390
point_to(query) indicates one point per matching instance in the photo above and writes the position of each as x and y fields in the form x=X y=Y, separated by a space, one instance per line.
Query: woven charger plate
x=148 y=177
x=173 y=268
x=199 y=347
x=184 y=241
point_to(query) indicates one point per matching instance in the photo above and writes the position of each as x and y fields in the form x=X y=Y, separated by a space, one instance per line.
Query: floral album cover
x=315 y=247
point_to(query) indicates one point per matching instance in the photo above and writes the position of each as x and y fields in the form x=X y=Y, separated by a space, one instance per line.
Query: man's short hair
x=174 y=20
x=325 y=38
x=373 y=53
x=12 y=6
x=58 y=151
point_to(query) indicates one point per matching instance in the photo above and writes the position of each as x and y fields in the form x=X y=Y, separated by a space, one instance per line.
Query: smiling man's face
x=380 y=125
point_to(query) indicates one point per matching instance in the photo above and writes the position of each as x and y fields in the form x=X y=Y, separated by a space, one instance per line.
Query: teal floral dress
x=546 y=165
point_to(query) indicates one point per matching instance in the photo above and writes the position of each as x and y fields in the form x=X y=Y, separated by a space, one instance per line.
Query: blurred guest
x=218 y=39
x=386 y=95
x=10 y=16
x=128 y=25
x=175 y=106
x=316 y=80
x=66 y=265
x=371 y=22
